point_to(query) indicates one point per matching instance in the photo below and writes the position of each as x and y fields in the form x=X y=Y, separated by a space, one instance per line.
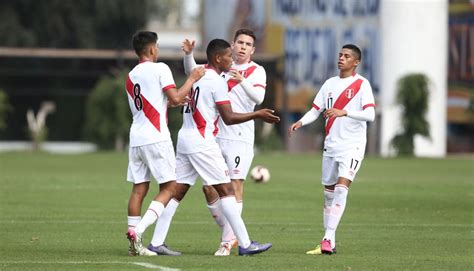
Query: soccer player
x=150 y=87
x=197 y=150
x=347 y=103
x=246 y=82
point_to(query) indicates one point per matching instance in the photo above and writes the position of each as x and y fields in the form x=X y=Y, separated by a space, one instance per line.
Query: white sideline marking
x=433 y=225
x=153 y=266
x=146 y=265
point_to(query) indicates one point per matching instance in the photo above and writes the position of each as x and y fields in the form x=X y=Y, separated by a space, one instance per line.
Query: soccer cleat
x=326 y=247
x=131 y=248
x=224 y=249
x=136 y=242
x=131 y=251
x=317 y=251
x=254 y=248
x=163 y=250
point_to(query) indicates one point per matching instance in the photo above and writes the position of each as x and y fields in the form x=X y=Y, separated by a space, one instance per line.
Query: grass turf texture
x=69 y=212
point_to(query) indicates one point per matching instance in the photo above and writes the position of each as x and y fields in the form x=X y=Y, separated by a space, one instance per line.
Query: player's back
x=145 y=85
x=200 y=115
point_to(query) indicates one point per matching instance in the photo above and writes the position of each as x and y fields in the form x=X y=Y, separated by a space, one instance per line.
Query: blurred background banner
x=314 y=31
x=73 y=53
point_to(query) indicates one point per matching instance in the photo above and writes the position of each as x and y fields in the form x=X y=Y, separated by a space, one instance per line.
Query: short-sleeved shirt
x=344 y=134
x=200 y=115
x=146 y=86
x=242 y=103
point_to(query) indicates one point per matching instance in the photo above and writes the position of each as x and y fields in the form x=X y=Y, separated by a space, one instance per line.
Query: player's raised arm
x=229 y=117
x=189 y=63
x=178 y=96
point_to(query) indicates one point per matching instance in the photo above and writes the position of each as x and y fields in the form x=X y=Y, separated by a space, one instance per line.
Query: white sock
x=240 y=205
x=328 y=199
x=133 y=221
x=163 y=224
x=154 y=211
x=337 y=209
x=229 y=208
x=221 y=221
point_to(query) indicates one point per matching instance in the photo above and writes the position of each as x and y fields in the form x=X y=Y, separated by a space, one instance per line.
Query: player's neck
x=346 y=73
x=213 y=67
x=238 y=61
x=145 y=59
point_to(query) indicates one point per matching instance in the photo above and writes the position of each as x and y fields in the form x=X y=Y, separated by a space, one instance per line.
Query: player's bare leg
x=135 y=202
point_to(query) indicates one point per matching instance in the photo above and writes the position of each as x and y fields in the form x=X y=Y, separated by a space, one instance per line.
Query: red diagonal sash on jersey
x=150 y=112
x=200 y=122
x=344 y=98
x=231 y=83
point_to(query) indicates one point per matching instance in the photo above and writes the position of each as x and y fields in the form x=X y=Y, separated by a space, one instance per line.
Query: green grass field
x=62 y=212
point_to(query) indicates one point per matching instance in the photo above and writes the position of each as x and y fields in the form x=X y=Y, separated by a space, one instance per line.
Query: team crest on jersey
x=350 y=93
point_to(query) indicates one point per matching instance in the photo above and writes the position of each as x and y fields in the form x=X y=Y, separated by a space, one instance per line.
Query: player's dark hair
x=142 y=39
x=216 y=46
x=245 y=31
x=355 y=49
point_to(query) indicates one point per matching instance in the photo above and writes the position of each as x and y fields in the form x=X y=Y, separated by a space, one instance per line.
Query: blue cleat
x=163 y=250
x=254 y=248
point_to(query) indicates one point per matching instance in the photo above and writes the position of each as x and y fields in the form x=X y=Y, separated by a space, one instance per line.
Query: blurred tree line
x=73 y=24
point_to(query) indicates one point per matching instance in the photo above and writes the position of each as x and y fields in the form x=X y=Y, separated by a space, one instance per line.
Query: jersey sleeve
x=166 y=77
x=367 y=95
x=318 y=102
x=220 y=93
x=259 y=78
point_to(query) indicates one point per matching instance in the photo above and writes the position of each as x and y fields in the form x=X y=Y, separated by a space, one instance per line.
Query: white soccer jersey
x=344 y=134
x=241 y=102
x=200 y=115
x=146 y=85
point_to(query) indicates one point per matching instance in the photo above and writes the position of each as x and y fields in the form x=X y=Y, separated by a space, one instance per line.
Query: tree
x=5 y=108
x=72 y=24
x=108 y=116
x=412 y=95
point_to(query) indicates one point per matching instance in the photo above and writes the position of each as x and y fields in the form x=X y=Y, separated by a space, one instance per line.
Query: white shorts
x=342 y=166
x=208 y=164
x=157 y=159
x=238 y=156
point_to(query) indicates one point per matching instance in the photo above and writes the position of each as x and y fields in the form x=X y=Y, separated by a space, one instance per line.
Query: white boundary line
x=142 y=264
x=434 y=225
x=154 y=266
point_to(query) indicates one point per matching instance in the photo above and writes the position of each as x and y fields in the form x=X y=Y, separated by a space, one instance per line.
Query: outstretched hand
x=187 y=46
x=295 y=126
x=268 y=116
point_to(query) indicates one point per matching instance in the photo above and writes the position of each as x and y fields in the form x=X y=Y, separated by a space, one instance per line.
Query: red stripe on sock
x=343 y=186
x=154 y=212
